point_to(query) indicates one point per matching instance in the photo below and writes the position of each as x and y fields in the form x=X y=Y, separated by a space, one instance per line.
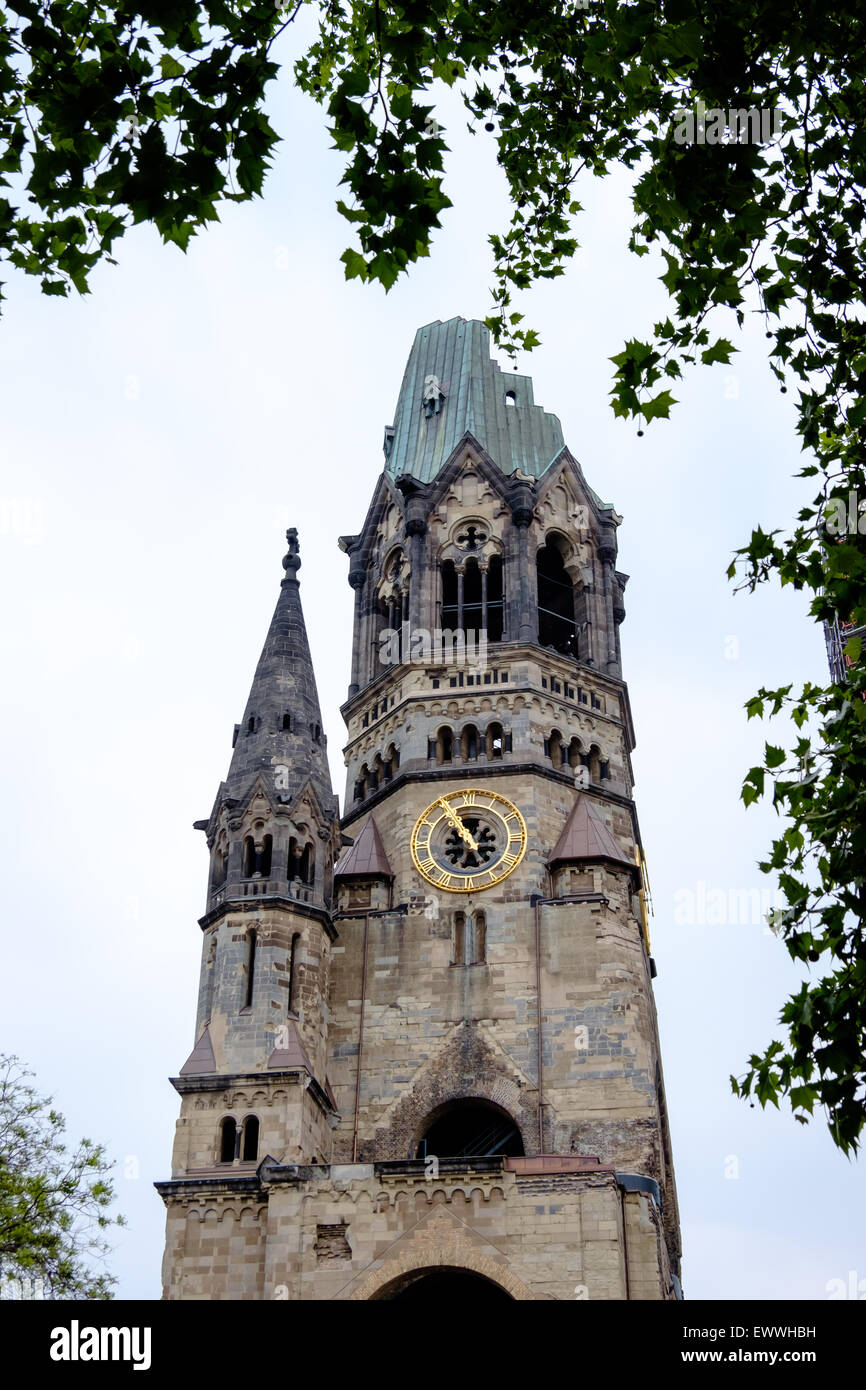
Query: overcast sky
x=158 y=437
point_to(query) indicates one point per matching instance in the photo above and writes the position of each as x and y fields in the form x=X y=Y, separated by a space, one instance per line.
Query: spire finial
x=292 y=560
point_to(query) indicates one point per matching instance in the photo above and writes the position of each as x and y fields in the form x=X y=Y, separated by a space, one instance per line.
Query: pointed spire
x=586 y=837
x=367 y=857
x=280 y=736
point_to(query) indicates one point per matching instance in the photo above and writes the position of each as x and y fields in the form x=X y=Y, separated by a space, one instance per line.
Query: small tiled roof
x=586 y=837
x=366 y=857
x=201 y=1059
x=292 y=1054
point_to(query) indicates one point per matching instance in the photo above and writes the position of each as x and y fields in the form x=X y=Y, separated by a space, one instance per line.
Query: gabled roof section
x=585 y=837
x=201 y=1060
x=451 y=387
x=367 y=857
x=291 y=1052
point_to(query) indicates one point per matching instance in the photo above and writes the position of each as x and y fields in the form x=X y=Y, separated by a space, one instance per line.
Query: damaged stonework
x=426 y=1057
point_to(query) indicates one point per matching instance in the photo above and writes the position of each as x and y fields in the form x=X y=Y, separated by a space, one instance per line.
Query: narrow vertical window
x=250 y=1149
x=251 y=968
x=459 y=937
x=266 y=855
x=228 y=1140
x=293 y=977
x=480 y=942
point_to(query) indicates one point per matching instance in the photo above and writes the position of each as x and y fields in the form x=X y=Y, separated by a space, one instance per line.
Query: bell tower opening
x=468 y=1129
x=556 y=624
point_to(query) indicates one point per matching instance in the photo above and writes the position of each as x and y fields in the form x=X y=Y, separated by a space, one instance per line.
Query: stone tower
x=426 y=1057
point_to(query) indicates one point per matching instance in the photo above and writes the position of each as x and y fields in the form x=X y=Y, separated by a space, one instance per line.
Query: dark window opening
x=469 y=743
x=249 y=864
x=556 y=625
x=459 y=937
x=472 y=612
x=557 y=752
x=251 y=724
x=449 y=595
x=494 y=599
x=265 y=856
x=220 y=866
x=250 y=1150
x=468 y=1128
x=293 y=982
x=287 y=722
x=228 y=1140
x=444 y=745
x=251 y=968
x=494 y=741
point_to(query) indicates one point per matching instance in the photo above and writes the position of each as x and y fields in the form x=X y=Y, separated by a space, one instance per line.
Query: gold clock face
x=468 y=840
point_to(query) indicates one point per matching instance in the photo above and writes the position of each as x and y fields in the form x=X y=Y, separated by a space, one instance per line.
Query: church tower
x=426 y=1056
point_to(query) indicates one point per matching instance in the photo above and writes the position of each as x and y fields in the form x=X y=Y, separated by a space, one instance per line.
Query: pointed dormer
x=586 y=858
x=272 y=828
x=364 y=876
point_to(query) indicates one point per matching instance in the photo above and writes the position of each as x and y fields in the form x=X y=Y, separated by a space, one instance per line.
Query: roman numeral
x=428 y=866
x=468 y=798
x=444 y=879
x=470 y=883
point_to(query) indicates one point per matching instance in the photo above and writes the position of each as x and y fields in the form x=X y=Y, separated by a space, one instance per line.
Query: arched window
x=494 y=741
x=494 y=603
x=555 y=745
x=469 y=1128
x=228 y=1138
x=392 y=762
x=449 y=595
x=293 y=974
x=594 y=764
x=459 y=938
x=252 y=942
x=250 y=1140
x=478 y=945
x=308 y=863
x=287 y=722
x=556 y=625
x=220 y=865
x=249 y=856
x=473 y=617
x=574 y=752
x=265 y=856
x=469 y=743
x=444 y=745
x=251 y=724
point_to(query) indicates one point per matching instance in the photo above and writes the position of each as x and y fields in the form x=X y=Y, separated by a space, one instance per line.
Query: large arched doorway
x=470 y=1128
x=444 y=1282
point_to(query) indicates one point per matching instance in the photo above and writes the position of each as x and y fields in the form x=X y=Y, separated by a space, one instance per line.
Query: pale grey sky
x=158 y=437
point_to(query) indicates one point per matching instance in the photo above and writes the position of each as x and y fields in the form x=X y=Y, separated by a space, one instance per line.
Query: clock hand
x=459 y=826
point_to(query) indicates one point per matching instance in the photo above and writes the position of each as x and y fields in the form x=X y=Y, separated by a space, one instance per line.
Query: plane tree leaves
x=117 y=114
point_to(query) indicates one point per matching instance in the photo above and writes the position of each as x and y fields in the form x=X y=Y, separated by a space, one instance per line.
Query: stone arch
x=439 y=1083
x=451 y=1251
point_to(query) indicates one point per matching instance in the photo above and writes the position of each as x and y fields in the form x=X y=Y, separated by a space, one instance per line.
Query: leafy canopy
x=54 y=1202
x=116 y=114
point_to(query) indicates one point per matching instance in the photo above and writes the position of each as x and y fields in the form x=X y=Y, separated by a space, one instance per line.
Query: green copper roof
x=452 y=386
